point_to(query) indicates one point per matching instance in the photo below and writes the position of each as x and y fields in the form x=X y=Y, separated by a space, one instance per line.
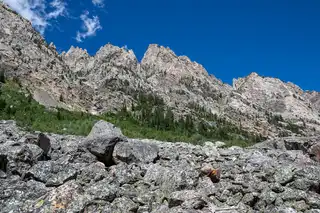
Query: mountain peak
x=253 y=75
x=76 y=51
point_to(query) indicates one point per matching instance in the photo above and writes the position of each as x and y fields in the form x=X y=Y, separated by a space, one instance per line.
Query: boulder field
x=108 y=172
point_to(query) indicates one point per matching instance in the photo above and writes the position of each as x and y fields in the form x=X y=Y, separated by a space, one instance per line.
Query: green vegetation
x=2 y=77
x=277 y=120
x=149 y=118
x=274 y=119
x=293 y=128
x=16 y=105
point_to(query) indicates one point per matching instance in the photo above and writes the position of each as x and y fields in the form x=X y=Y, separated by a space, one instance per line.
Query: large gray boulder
x=103 y=128
x=135 y=152
x=102 y=148
x=18 y=196
x=44 y=143
x=15 y=158
x=101 y=141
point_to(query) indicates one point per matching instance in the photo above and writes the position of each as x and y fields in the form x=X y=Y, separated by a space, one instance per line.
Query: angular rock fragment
x=135 y=152
x=52 y=173
x=101 y=141
x=187 y=198
x=124 y=204
x=44 y=143
x=15 y=158
x=18 y=195
x=314 y=151
x=103 y=128
x=37 y=152
x=102 y=147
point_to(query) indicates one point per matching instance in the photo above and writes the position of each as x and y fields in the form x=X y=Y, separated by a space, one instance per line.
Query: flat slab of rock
x=37 y=152
x=52 y=173
x=189 y=199
x=18 y=196
x=135 y=152
x=124 y=204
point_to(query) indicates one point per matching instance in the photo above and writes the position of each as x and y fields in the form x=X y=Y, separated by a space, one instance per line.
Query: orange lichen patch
x=58 y=205
x=214 y=172
x=214 y=175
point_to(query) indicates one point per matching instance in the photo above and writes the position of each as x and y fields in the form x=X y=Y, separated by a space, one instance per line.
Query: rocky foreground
x=107 y=172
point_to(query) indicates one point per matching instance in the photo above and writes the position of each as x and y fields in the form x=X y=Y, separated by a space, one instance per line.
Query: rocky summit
x=108 y=172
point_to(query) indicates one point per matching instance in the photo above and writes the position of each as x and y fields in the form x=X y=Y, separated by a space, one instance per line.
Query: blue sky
x=230 y=38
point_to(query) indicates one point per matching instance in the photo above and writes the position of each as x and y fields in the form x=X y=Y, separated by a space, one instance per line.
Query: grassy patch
x=16 y=105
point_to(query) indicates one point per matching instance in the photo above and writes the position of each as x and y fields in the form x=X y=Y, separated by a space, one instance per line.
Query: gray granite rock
x=135 y=152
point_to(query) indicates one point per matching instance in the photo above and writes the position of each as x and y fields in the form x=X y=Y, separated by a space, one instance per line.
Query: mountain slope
x=113 y=77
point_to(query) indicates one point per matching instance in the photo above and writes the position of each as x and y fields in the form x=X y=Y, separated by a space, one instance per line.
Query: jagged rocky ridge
x=107 y=172
x=104 y=82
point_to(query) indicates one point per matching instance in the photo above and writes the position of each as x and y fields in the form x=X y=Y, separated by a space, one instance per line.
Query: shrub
x=2 y=76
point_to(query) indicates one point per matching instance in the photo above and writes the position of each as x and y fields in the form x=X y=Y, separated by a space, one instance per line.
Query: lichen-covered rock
x=37 y=152
x=135 y=152
x=124 y=204
x=15 y=157
x=18 y=196
x=126 y=174
x=92 y=173
x=52 y=173
x=186 y=198
x=102 y=147
x=284 y=175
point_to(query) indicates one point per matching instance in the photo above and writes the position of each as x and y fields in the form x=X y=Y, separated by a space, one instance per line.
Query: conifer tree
x=2 y=77
x=169 y=120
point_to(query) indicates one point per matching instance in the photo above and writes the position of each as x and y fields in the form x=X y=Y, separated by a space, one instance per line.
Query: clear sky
x=230 y=38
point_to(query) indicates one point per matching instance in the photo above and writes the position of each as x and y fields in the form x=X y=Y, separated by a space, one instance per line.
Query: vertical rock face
x=77 y=59
x=25 y=54
x=274 y=95
x=113 y=76
x=314 y=98
x=181 y=81
x=267 y=94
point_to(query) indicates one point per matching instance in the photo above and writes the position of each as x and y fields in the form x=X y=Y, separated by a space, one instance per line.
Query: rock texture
x=113 y=76
x=280 y=175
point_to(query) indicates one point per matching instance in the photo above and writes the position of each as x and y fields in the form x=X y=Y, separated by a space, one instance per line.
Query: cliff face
x=105 y=81
x=25 y=54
